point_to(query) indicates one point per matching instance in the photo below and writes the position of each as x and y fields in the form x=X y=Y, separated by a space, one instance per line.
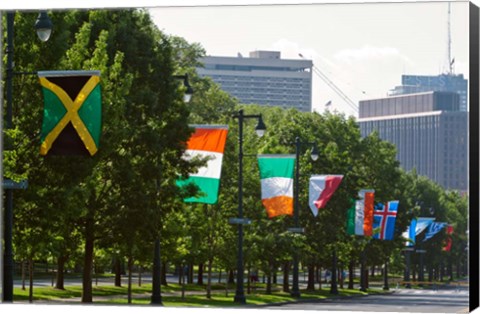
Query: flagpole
x=295 y=289
x=260 y=129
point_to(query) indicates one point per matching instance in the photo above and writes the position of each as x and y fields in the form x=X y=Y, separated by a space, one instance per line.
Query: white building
x=263 y=79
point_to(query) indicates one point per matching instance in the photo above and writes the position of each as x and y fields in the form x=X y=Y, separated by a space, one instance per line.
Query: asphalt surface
x=453 y=300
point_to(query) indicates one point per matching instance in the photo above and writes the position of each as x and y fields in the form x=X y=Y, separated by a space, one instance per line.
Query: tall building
x=263 y=78
x=428 y=129
x=442 y=83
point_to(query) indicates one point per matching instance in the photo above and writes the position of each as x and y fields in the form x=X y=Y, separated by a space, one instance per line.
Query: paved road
x=402 y=300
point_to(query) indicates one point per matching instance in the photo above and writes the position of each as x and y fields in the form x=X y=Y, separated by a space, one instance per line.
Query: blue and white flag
x=418 y=224
x=384 y=217
x=433 y=229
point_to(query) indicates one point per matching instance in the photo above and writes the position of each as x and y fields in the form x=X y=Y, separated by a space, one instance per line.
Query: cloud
x=368 y=52
x=291 y=50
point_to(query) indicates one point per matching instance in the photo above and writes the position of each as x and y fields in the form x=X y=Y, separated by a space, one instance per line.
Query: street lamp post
x=295 y=289
x=44 y=28
x=363 y=279
x=333 y=286
x=421 y=276
x=156 y=298
x=406 y=276
x=385 y=276
x=260 y=130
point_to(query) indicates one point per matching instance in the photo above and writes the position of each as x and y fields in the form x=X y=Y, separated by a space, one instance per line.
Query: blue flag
x=433 y=229
x=384 y=218
x=416 y=227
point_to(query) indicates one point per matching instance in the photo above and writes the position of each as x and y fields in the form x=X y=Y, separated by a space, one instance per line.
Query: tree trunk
x=182 y=281
x=180 y=275
x=319 y=277
x=129 y=289
x=249 y=279
x=163 y=275
x=351 y=274
x=231 y=276
x=88 y=262
x=60 y=272
x=23 y=274
x=269 y=284
x=190 y=273
x=209 y=279
x=118 y=272
x=200 y=274
x=30 y=276
x=366 y=278
x=274 y=274
x=373 y=270
x=140 y=270
x=340 y=277
x=311 y=277
x=220 y=276
x=286 y=269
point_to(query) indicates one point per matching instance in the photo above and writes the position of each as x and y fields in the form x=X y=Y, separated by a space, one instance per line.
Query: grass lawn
x=195 y=296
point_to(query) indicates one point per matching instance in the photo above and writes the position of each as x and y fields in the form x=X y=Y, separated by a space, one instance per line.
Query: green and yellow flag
x=72 y=116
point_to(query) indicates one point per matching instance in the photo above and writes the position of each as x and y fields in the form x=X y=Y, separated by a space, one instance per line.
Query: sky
x=362 y=48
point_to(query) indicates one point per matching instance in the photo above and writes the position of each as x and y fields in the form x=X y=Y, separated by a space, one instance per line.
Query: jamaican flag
x=72 y=117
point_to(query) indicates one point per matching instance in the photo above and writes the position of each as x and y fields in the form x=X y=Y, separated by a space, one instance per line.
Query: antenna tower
x=450 y=60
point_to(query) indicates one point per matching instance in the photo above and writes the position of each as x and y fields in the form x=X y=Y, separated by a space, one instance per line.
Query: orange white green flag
x=276 y=177
x=208 y=141
x=360 y=215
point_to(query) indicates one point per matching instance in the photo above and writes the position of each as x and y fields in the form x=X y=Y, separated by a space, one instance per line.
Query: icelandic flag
x=384 y=217
x=433 y=229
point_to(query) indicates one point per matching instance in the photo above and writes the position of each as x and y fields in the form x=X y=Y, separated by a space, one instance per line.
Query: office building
x=442 y=83
x=263 y=79
x=428 y=129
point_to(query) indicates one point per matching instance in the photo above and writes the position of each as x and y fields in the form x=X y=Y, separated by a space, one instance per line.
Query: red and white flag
x=321 y=189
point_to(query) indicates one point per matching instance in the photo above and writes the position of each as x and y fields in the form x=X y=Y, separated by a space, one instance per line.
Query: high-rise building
x=442 y=83
x=428 y=129
x=263 y=78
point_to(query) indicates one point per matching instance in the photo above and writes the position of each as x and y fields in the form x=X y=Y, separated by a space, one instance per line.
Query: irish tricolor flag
x=360 y=216
x=321 y=190
x=207 y=141
x=276 y=175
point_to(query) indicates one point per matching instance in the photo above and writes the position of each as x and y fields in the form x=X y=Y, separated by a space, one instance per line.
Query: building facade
x=442 y=83
x=428 y=129
x=263 y=78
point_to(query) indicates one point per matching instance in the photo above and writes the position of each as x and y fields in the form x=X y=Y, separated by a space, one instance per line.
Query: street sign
x=296 y=230
x=10 y=184
x=239 y=221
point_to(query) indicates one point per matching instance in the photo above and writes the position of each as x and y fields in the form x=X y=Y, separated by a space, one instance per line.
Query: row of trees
x=116 y=204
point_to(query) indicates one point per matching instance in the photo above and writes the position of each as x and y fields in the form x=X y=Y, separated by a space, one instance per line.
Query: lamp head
x=260 y=128
x=189 y=90
x=314 y=154
x=43 y=26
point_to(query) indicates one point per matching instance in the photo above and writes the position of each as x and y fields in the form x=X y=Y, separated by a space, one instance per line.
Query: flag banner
x=433 y=229
x=276 y=178
x=321 y=190
x=448 y=244
x=72 y=114
x=208 y=141
x=384 y=218
x=416 y=227
x=351 y=218
x=360 y=217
